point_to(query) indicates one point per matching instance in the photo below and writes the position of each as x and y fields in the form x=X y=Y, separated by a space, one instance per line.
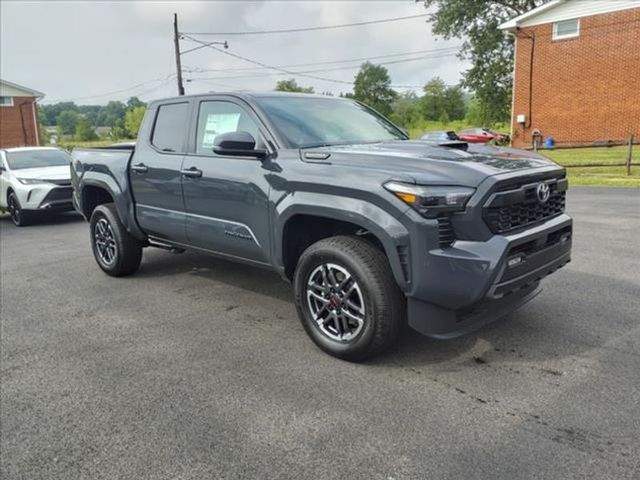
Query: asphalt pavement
x=197 y=368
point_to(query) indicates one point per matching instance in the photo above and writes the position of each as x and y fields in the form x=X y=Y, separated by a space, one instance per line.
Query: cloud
x=84 y=50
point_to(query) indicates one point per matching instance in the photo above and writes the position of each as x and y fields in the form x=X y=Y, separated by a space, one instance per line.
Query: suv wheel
x=115 y=250
x=19 y=217
x=347 y=298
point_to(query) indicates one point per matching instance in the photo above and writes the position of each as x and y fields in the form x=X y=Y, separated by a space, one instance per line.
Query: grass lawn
x=608 y=176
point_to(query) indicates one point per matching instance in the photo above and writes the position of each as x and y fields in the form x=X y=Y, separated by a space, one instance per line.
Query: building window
x=6 y=101
x=566 y=29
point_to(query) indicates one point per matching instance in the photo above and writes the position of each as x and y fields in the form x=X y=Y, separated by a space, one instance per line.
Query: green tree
x=455 y=103
x=84 y=130
x=134 y=102
x=43 y=135
x=439 y=99
x=292 y=86
x=372 y=86
x=51 y=112
x=111 y=113
x=434 y=99
x=119 y=130
x=489 y=50
x=133 y=119
x=66 y=121
x=406 y=109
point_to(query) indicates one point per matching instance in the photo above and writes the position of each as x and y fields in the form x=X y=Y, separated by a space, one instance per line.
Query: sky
x=91 y=52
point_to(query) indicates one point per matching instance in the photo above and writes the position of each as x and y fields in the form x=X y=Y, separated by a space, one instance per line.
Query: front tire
x=19 y=217
x=347 y=298
x=117 y=252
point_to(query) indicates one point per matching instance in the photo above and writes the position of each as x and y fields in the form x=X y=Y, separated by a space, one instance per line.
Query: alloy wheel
x=336 y=302
x=105 y=242
x=14 y=211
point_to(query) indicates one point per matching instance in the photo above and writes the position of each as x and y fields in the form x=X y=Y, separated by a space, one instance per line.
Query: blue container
x=549 y=143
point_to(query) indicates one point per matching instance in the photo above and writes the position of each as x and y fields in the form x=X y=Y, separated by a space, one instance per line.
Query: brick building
x=577 y=72
x=18 y=115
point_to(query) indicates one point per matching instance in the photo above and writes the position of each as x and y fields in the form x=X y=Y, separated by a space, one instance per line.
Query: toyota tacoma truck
x=372 y=229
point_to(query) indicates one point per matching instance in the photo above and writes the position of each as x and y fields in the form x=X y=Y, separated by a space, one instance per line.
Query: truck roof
x=248 y=95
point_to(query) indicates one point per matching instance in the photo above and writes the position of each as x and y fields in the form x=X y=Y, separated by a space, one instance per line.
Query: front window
x=219 y=117
x=308 y=121
x=566 y=29
x=37 y=159
x=6 y=101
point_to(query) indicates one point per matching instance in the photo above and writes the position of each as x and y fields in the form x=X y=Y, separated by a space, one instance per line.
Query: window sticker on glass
x=217 y=124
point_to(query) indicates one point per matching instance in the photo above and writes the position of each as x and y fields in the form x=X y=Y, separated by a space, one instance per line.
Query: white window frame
x=556 y=36
x=10 y=104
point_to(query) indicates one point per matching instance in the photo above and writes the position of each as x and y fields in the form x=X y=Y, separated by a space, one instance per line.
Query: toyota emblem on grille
x=543 y=192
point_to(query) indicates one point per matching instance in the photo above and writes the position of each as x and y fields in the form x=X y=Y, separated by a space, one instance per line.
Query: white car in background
x=34 y=180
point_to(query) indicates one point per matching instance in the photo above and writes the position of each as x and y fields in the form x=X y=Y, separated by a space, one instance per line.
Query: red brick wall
x=17 y=127
x=584 y=89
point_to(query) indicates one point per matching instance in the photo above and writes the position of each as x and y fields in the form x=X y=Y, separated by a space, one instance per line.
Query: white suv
x=32 y=180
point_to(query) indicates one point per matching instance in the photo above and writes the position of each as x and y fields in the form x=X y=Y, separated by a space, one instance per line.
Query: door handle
x=192 y=172
x=140 y=168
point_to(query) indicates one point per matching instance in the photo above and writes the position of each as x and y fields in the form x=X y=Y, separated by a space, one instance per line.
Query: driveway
x=197 y=368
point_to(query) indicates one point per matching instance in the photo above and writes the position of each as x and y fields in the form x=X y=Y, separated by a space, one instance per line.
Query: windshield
x=37 y=159
x=311 y=121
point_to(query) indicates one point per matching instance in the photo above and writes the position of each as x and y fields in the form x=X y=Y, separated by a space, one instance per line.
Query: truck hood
x=424 y=162
x=62 y=172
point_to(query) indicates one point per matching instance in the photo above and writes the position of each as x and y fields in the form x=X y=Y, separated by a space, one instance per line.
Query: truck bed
x=108 y=169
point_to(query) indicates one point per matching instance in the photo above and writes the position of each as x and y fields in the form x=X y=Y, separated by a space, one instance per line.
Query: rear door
x=155 y=172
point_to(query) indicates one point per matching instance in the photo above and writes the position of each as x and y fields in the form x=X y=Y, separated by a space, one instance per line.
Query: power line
x=348 y=67
x=133 y=87
x=309 y=29
x=451 y=50
x=289 y=72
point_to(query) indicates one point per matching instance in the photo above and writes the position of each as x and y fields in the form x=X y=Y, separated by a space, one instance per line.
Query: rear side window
x=169 y=129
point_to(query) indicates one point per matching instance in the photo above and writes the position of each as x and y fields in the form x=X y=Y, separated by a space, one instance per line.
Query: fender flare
x=385 y=227
x=122 y=200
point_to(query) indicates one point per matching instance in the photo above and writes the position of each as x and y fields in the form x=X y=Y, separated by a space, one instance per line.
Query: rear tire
x=347 y=298
x=117 y=252
x=19 y=217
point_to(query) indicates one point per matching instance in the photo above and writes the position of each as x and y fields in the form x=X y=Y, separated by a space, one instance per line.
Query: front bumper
x=461 y=288
x=46 y=198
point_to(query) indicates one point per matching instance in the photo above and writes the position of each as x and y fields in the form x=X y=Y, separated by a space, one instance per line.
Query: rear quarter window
x=169 y=127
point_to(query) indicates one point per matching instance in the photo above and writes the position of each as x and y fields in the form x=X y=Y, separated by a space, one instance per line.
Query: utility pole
x=176 y=43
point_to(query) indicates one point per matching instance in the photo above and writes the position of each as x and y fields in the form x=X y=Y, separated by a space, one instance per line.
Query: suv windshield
x=312 y=121
x=37 y=159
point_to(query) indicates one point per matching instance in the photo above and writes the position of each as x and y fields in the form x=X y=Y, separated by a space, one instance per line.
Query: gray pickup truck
x=372 y=229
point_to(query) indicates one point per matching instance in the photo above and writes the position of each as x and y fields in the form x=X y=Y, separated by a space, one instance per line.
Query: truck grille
x=518 y=206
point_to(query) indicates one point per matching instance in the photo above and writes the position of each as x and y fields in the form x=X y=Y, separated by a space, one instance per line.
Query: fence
x=628 y=163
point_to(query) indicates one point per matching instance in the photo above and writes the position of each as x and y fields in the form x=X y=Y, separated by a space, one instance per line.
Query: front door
x=156 y=180
x=226 y=199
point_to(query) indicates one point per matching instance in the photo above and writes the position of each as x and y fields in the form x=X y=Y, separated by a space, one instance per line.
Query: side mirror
x=237 y=144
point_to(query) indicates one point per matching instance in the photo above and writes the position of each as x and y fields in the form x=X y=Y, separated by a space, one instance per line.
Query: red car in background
x=482 y=135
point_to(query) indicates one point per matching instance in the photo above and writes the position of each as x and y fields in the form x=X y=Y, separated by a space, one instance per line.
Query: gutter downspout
x=35 y=121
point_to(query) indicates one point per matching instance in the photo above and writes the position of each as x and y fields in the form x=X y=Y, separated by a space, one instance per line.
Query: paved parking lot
x=197 y=368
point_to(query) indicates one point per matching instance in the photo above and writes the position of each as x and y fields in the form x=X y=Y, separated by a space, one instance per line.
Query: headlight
x=430 y=201
x=30 y=181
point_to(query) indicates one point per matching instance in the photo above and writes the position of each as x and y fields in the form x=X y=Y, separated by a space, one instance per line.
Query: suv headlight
x=31 y=181
x=430 y=201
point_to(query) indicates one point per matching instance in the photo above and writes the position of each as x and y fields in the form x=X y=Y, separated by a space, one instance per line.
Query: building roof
x=8 y=89
x=558 y=10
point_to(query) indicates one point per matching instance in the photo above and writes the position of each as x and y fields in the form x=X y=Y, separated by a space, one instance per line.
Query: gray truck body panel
x=240 y=208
